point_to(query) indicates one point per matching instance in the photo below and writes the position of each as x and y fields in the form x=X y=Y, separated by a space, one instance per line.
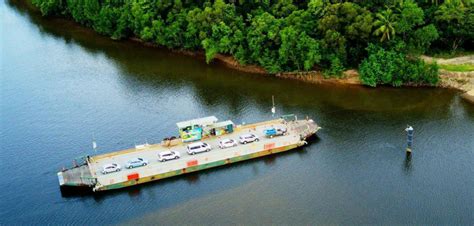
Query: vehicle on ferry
x=111 y=168
x=136 y=162
x=198 y=147
x=168 y=155
x=275 y=131
x=248 y=138
x=227 y=143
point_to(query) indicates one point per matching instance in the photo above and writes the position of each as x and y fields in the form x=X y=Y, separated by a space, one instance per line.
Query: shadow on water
x=407 y=164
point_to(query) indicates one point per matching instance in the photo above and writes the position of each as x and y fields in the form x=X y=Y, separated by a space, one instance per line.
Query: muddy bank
x=350 y=76
x=462 y=81
x=229 y=61
x=469 y=96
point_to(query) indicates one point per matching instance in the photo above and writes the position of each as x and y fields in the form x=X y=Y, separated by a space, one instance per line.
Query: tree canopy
x=287 y=35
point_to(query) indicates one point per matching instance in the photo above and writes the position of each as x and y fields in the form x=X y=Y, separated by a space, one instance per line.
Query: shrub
x=394 y=68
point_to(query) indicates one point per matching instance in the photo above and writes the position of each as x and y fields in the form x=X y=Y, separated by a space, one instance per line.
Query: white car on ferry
x=110 y=168
x=227 y=143
x=136 y=162
x=168 y=155
x=198 y=147
x=248 y=138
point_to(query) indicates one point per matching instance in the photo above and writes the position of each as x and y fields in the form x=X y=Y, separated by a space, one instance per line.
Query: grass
x=457 y=67
x=448 y=54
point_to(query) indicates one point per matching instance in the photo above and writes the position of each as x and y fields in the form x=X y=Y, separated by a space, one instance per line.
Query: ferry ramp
x=77 y=176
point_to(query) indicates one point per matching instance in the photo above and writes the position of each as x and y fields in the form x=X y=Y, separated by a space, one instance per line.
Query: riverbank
x=469 y=96
x=350 y=77
x=456 y=73
x=462 y=81
x=458 y=80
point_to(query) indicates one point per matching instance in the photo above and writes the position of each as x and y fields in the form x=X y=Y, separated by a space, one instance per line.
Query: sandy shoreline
x=469 y=96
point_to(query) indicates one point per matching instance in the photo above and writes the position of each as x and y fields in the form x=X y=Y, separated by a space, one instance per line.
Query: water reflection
x=407 y=165
x=192 y=178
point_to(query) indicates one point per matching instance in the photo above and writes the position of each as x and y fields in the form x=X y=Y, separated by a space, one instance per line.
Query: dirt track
x=457 y=60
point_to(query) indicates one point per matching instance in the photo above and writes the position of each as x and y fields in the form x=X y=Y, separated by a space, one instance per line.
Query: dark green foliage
x=110 y=22
x=455 y=20
x=336 y=68
x=288 y=35
x=50 y=7
x=394 y=68
x=264 y=41
x=422 y=38
x=297 y=50
x=85 y=12
x=343 y=28
x=411 y=16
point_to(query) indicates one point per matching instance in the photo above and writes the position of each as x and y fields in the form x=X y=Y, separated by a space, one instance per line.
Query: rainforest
x=381 y=39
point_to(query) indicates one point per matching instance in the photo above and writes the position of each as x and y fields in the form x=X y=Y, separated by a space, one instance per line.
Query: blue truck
x=273 y=132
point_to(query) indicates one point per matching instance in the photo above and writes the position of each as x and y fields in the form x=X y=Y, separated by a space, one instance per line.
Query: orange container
x=133 y=176
x=269 y=146
x=192 y=163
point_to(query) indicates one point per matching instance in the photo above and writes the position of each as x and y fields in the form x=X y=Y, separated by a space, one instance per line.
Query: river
x=62 y=84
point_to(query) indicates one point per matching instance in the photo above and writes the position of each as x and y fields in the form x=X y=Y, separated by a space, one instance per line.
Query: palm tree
x=385 y=23
x=462 y=2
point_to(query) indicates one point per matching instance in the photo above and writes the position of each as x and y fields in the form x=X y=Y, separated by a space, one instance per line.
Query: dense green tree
x=421 y=39
x=173 y=35
x=106 y=21
x=412 y=29
x=410 y=16
x=336 y=68
x=344 y=28
x=223 y=39
x=264 y=41
x=394 y=68
x=50 y=7
x=297 y=50
x=141 y=17
x=456 y=22
x=287 y=35
x=283 y=8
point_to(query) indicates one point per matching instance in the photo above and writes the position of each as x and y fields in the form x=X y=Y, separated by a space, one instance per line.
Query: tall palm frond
x=385 y=24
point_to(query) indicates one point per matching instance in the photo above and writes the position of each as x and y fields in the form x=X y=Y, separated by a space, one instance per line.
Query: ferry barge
x=89 y=172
